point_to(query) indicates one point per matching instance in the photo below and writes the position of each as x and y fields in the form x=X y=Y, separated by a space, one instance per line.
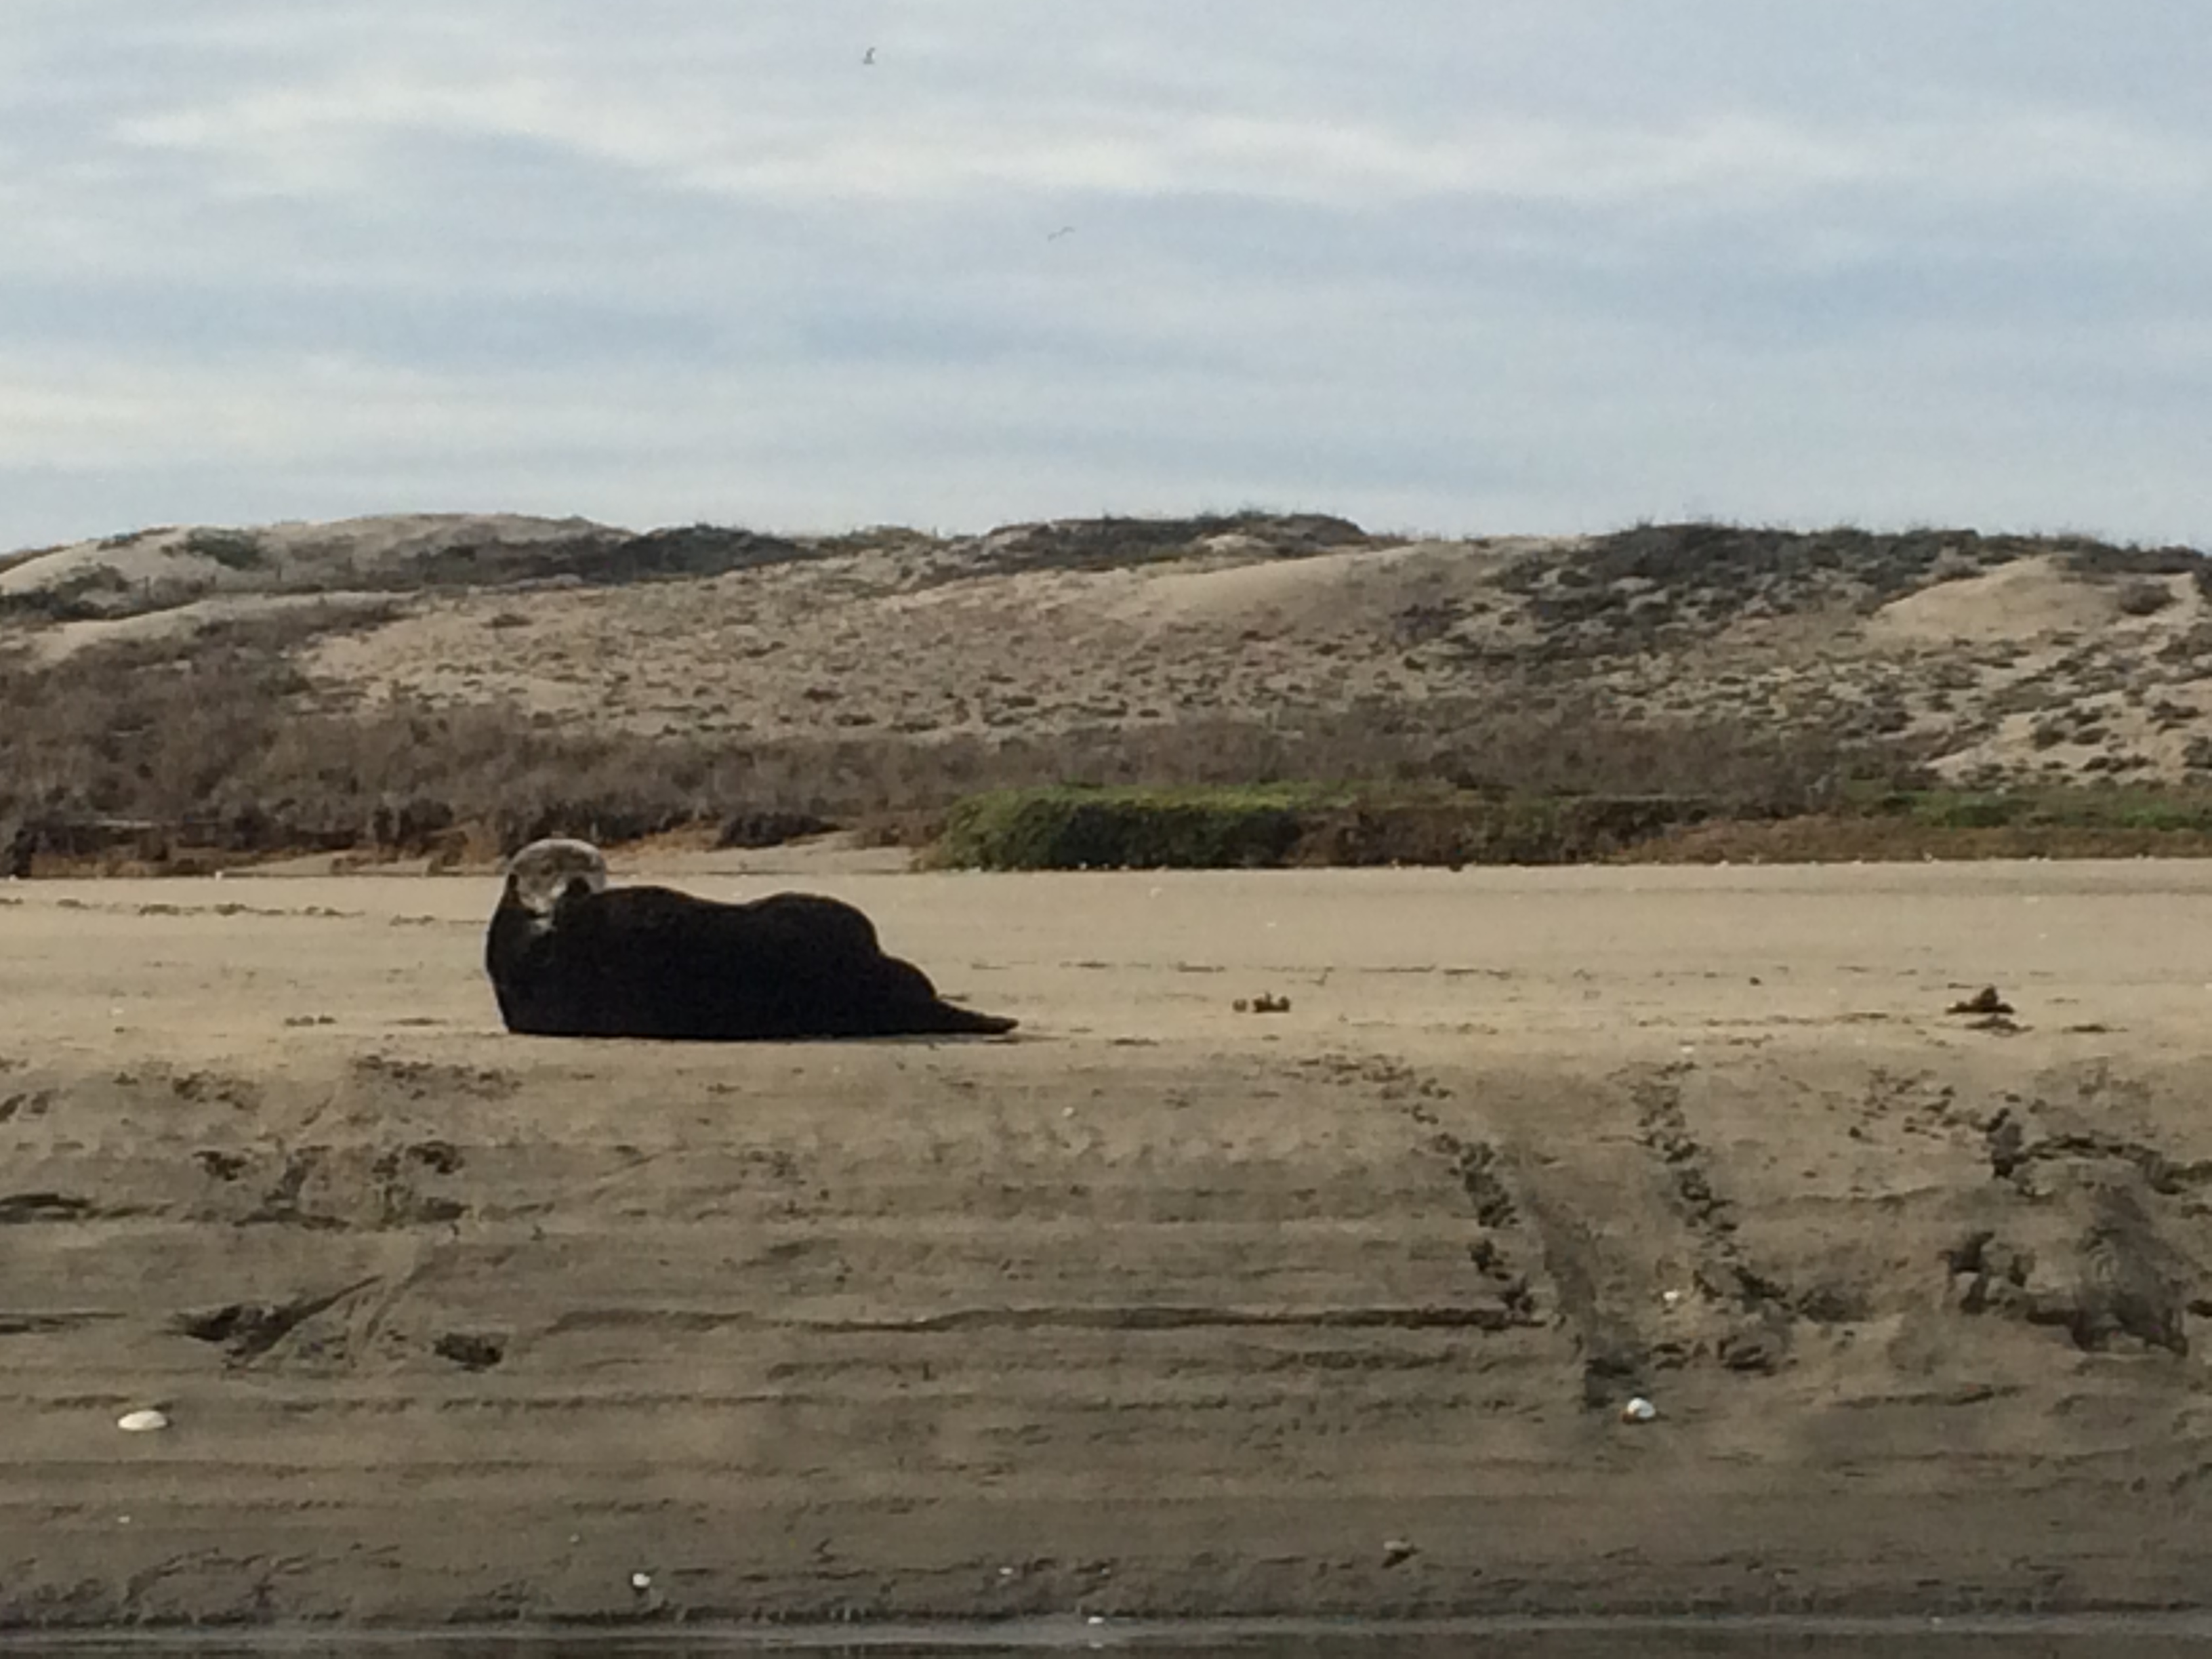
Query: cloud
x=1515 y=267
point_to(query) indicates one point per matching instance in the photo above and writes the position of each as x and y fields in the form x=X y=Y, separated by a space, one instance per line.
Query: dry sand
x=1158 y=1307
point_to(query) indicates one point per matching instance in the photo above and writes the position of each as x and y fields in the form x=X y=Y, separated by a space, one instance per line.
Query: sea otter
x=570 y=956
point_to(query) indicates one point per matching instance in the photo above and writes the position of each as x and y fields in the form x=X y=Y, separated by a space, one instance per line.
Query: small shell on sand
x=142 y=1422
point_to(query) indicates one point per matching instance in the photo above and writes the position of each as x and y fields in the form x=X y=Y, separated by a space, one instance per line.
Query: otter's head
x=541 y=873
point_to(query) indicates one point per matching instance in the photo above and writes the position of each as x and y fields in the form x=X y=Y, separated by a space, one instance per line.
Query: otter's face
x=542 y=872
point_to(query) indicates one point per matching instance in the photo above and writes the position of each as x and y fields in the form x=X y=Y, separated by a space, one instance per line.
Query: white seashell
x=641 y=1581
x=1639 y=1410
x=1672 y=1299
x=142 y=1422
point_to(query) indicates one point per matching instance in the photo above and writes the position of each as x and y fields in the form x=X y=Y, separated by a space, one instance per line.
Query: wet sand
x=1160 y=1307
x=1694 y=1636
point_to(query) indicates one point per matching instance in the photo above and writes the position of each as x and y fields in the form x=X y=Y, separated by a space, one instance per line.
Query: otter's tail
x=908 y=1003
x=953 y=1020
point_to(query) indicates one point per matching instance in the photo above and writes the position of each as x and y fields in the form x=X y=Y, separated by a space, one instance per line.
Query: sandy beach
x=1158 y=1307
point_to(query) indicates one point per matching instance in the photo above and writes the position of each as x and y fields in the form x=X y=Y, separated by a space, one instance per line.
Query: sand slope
x=1160 y=1307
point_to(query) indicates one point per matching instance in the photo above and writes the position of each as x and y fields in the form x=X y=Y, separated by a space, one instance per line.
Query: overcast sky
x=1459 y=266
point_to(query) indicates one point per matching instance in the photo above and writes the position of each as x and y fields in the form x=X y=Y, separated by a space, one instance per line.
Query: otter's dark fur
x=570 y=956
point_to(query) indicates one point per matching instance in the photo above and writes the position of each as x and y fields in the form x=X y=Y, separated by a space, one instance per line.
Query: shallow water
x=2116 y=1637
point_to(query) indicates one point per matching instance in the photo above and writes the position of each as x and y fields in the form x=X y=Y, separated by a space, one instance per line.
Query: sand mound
x=2022 y=600
x=160 y=569
x=1364 y=590
x=182 y=622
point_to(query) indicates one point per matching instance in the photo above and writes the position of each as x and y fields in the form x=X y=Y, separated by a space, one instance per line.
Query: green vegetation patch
x=1123 y=828
x=233 y=549
x=1067 y=829
x=2079 y=806
x=1203 y=828
x=1493 y=830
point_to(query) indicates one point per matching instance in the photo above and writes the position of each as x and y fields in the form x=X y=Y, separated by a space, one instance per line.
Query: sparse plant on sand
x=233 y=549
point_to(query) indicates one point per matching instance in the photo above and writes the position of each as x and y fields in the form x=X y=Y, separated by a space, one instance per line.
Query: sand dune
x=2006 y=659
